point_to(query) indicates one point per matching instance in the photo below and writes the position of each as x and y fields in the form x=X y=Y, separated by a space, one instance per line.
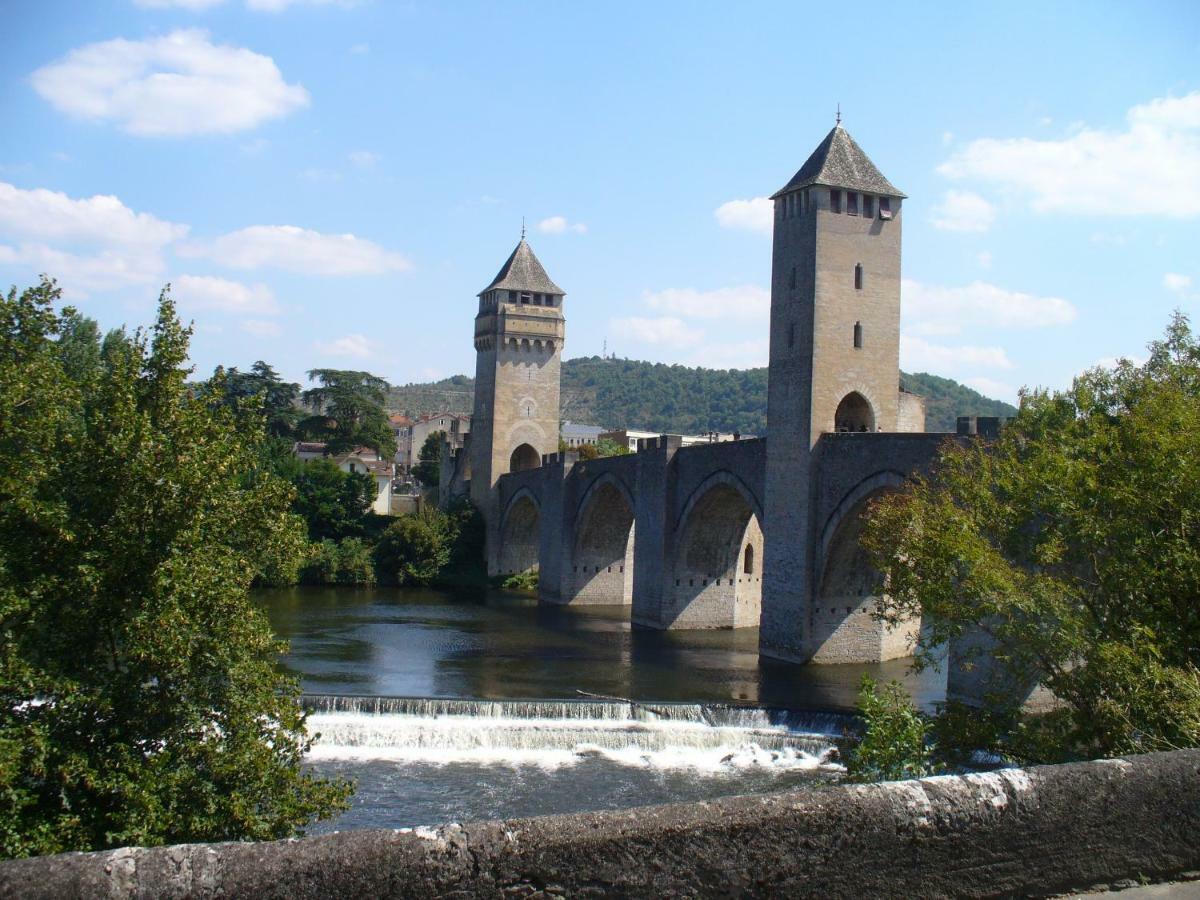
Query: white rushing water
x=555 y=734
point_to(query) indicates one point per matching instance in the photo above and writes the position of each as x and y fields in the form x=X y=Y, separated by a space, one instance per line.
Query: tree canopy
x=348 y=412
x=140 y=699
x=1069 y=549
x=428 y=469
x=623 y=393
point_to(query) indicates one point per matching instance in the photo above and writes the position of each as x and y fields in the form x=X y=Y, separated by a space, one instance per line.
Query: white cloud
x=963 y=211
x=934 y=309
x=364 y=159
x=918 y=355
x=102 y=219
x=748 y=354
x=745 y=302
x=202 y=292
x=1149 y=168
x=297 y=250
x=273 y=6
x=81 y=273
x=193 y=5
x=281 y=5
x=663 y=330
x=755 y=214
x=261 y=328
x=355 y=345
x=559 y=225
x=1111 y=362
x=170 y=86
x=92 y=243
x=990 y=387
x=1173 y=281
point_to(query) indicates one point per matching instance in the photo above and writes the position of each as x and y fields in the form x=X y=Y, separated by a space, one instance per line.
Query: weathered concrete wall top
x=1034 y=831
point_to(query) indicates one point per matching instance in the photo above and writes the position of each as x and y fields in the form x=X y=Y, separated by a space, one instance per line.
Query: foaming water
x=553 y=734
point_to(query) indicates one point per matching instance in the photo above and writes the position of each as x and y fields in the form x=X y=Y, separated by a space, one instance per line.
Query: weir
x=563 y=732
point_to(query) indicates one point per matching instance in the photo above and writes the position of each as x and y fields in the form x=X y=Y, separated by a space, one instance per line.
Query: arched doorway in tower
x=524 y=457
x=842 y=628
x=717 y=579
x=602 y=563
x=854 y=413
x=520 y=537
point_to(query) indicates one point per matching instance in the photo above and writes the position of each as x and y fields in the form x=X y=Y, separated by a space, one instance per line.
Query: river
x=492 y=746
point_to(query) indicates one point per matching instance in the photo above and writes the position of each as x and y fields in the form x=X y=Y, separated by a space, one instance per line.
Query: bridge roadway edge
x=1034 y=831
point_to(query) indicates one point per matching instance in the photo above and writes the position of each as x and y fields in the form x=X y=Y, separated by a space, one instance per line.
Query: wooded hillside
x=681 y=400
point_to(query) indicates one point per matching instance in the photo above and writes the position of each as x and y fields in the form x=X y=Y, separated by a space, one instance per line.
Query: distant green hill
x=680 y=400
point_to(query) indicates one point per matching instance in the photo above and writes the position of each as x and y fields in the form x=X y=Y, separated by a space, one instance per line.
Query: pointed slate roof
x=523 y=272
x=839 y=162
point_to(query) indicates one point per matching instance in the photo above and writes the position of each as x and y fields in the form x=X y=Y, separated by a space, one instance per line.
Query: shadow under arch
x=520 y=535
x=717 y=533
x=842 y=627
x=602 y=556
x=524 y=458
x=854 y=413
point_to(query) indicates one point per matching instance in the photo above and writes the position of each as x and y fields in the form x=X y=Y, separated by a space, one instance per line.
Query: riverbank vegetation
x=1065 y=553
x=140 y=697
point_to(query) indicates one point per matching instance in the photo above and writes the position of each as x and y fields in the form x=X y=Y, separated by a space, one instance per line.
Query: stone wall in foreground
x=1018 y=831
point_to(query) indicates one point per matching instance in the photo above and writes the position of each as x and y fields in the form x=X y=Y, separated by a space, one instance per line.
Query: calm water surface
x=419 y=765
x=418 y=642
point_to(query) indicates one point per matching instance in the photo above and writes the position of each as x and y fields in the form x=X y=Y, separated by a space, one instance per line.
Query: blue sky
x=329 y=184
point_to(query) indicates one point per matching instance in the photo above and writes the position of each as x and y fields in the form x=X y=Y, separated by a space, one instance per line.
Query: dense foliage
x=893 y=743
x=140 y=701
x=433 y=547
x=618 y=393
x=602 y=448
x=1068 y=550
x=348 y=412
x=333 y=503
x=428 y=469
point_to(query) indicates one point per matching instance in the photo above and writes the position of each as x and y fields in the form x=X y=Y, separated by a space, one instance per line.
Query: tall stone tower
x=519 y=333
x=834 y=357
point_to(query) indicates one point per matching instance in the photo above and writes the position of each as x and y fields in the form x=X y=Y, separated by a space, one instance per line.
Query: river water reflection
x=387 y=641
x=497 y=752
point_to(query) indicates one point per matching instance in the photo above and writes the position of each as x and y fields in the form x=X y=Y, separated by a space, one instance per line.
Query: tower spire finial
x=839 y=115
x=522 y=228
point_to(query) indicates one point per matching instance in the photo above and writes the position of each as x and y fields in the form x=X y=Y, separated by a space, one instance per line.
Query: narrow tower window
x=748 y=563
x=858 y=335
x=858 y=276
x=835 y=201
x=868 y=206
x=852 y=204
x=885 y=207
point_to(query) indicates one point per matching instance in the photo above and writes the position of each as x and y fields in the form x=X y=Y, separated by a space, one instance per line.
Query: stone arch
x=520 y=535
x=854 y=413
x=602 y=556
x=841 y=623
x=708 y=587
x=524 y=457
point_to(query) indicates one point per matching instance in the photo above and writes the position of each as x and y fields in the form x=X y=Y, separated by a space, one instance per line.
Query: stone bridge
x=676 y=534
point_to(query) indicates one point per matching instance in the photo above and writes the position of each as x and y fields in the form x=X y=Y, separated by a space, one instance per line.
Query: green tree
x=428 y=469
x=140 y=700
x=349 y=412
x=334 y=504
x=893 y=745
x=415 y=549
x=261 y=392
x=1072 y=546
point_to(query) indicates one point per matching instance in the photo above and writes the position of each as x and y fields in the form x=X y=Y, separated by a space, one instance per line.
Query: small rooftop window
x=885 y=207
x=835 y=201
x=868 y=206
x=852 y=204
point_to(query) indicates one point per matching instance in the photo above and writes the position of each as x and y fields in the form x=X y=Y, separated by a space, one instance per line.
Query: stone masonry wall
x=1014 y=832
